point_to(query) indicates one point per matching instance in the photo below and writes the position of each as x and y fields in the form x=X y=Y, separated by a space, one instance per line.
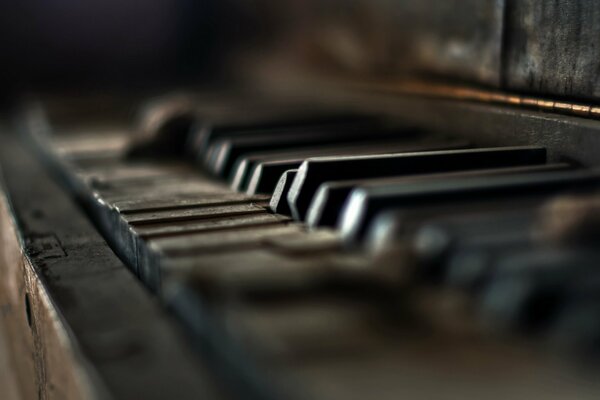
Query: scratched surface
x=118 y=328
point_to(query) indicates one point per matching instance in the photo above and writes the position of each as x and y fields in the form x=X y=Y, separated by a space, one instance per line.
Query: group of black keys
x=503 y=223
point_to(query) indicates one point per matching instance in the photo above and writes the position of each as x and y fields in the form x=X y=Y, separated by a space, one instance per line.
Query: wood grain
x=552 y=47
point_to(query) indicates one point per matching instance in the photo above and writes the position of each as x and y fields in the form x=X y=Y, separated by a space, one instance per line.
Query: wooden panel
x=36 y=362
x=460 y=39
x=120 y=339
x=551 y=47
x=539 y=47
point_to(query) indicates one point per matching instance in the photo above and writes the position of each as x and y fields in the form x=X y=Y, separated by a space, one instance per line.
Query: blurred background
x=527 y=45
x=69 y=42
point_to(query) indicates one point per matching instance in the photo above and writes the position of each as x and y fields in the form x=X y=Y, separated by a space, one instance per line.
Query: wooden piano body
x=132 y=270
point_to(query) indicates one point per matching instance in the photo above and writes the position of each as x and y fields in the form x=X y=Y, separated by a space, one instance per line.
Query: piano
x=347 y=200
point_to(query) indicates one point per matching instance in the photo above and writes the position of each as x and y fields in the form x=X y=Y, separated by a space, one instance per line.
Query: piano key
x=246 y=165
x=470 y=267
x=528 y=288
x=228 y=240
x=135 y=237
x=209 y=153
x=308 y=243
x=365 y=202
x=204 y=225
x=279 y=203
x=197 y=212
x=191 y=252
x=245 y=168
x=455 y=249
x=266 y=174
x=206 y=134
x=164 y=125
x=331 y=196
x=167 y=123
x=225 y=153
x=282 y=279
x=265 y=270
x=160 y=188
x=119 y=224
x=153 y=253
x=312 y=173
x=171 y=201
x=460 y=250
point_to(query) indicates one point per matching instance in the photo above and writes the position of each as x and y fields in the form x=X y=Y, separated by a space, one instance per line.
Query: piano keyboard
x=347 y=256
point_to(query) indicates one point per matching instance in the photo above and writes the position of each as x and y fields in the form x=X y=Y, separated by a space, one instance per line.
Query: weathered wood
x=330 y=198
x=39 y=361
x=123 y=341
x=551 y=47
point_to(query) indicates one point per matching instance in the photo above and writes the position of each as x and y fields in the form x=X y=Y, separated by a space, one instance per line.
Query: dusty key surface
x=329 y=200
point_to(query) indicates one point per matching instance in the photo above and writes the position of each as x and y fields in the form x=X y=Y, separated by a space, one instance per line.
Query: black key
x=209 y=154
x=223 y=154
x=246 y=167
x=267 y=173
x=206 y=134
x=199 y=212
x=330 y=198
x=459 y=194
x=314 y=172
x=218 y=222
x=279 y=202
x=473 y=245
